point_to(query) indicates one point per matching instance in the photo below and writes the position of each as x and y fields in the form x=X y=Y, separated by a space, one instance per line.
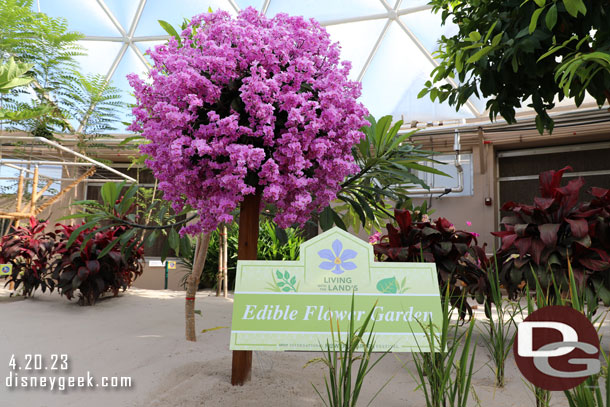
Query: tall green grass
x=444 y=374
x=499 y=331
x=348 y=360
x=589 y=393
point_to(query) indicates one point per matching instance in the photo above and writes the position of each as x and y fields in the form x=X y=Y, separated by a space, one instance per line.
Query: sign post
x=288 y=305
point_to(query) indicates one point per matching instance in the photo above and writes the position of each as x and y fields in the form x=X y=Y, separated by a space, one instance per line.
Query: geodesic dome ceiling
x=390 y=45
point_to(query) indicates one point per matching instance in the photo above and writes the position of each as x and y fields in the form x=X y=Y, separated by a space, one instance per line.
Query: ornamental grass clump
x=247 y=106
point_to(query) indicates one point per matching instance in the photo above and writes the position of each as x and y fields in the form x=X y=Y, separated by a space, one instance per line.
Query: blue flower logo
x=337 y=258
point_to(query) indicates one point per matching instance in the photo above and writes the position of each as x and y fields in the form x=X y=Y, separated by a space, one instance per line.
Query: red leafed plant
x=460 y=262
x=93 y=263
x=542 y=237
x=30 y=250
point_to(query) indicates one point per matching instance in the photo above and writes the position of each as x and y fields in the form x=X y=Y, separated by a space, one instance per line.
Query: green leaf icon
x=286 y=289
x=388 y=285
x=278 y=274
x=293 y=280
x=280 y=283
x=286 y=275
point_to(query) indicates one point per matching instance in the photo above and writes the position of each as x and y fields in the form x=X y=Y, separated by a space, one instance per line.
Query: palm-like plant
x=57 y=98
x=388 y=164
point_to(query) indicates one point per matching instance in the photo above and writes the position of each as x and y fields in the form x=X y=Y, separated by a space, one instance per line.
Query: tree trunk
x=201 y=250
x=247 y=242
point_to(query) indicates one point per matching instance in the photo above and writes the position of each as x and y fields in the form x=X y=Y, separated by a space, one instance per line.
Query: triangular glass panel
x=123 y=11
x=100 y=56
x=174 y=13
x=324 y=10
x=130 y=63
x=420 y=23
x=86 y=17
x=257 y=4
x=395 y=77
x=356 y=40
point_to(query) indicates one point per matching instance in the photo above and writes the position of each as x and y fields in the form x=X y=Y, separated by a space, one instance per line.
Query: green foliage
x=445 y=375
x=61 y=99
x=588 y=393
x=274 y=243
x=140 y=210
x=340 y=357
x=502 y=50
x=498 y=338
x=388 y=163
x=95 y=104
x=13 y=75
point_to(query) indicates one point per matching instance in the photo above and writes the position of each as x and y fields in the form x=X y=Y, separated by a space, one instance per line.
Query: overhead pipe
x=460 y=173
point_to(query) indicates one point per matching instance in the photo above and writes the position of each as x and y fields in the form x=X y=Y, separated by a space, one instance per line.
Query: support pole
x=19 y=196
x=220 y=261
x=166 y=273
x=247 y=242
x=34 y=190
x=225 y=263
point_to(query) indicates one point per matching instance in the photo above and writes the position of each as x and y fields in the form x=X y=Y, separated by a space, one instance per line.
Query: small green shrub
x=273 y=244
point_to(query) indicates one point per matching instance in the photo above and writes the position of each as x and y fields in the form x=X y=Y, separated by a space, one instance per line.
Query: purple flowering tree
x=242 y=110
x=245 y=106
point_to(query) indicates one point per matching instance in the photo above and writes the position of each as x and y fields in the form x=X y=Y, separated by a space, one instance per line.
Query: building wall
x=459 y=210
x=153 y=278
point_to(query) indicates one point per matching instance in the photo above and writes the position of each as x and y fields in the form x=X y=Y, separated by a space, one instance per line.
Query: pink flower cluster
x=249 y=105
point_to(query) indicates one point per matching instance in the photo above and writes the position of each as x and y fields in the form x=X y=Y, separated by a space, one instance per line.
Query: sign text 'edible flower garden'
x=288 y=305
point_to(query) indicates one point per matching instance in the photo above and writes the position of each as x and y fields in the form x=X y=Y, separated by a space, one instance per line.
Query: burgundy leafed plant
x=460 y=262
x=30 y=250
x=557 y=227
x=85 y=268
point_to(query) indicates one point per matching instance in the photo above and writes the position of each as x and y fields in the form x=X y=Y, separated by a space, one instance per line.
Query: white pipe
x=25 y=169
x=67 y=150
x=432 y=191
x=460 y=171
x=8 y=162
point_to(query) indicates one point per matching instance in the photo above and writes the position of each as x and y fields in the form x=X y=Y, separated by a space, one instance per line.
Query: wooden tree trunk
x=248 y=240
x=201 y=250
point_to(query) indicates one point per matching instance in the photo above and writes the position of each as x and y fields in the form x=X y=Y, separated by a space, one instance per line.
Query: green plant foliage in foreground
x=445 y=375
x=589 y=393
x=348 y=358
x=515 y=52
x=500 y=329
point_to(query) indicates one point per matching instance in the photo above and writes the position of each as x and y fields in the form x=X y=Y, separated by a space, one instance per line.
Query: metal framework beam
x=72 y=152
